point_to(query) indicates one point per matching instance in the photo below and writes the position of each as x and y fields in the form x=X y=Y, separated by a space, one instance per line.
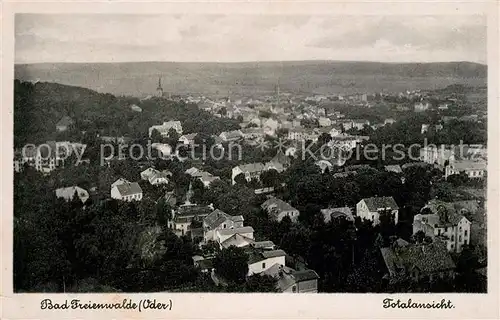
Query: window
x=224 y=226
x=465 y=233
x=452 y=246
x=460 y=238
x=263 y=265
x=294 y=289
x=460 y=228
x=452 y=238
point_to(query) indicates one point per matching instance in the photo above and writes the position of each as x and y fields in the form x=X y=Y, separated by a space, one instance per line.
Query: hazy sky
x=108 y=38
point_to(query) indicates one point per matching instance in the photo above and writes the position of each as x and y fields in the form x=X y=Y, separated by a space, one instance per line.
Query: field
x=254 y=79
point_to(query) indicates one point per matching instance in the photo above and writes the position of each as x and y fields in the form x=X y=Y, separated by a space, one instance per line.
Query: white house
x=155 y=177
x=164 y=128
x=250 y=171
x=261 y=260
x=324 y=122
x=69 y=192
x=370 y=208
x=474 y=169
x=126 y=191
x=229 y=136
x=445 y=223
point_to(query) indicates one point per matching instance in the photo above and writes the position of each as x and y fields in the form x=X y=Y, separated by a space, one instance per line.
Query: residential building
x=182 y=218
x=278 y=209
x=188 y=139
x=330 y=214
x=221 y=235
x=126 y=191
x=164 y=128
x=433 y=154
x=474 y=169
x=135 y=108
x=360 y=124
x=64 y=124
x=230 y=136
x=68 y=193
x=292 y=281
x=394 y=168
x=270 y=126
x=49 y=157
x=260 y=260
x=218 y=220
x=252 y=133
x=389 y=121
x=324 y=122
x=250 y=171
x=443 y=220
x=422 y=106
x=156 y=177
x=371 y=208
x=418 y=262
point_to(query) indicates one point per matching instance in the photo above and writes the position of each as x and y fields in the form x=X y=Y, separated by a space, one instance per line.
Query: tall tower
x=159 y=90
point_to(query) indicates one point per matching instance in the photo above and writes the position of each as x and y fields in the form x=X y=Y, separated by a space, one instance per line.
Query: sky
x=237 y=38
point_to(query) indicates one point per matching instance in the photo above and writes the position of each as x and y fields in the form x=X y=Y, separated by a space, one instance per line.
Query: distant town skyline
x=247 y=38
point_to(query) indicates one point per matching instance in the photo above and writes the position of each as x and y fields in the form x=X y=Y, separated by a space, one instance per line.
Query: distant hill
x=222 y=79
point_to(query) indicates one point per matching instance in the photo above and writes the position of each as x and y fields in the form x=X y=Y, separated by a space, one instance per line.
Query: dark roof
x=193 y=210
x=127 y=189
x=205 y=264
x=215 y=218
x=305 y=275
x=256 y=255
x=428 y=258
x=273 y=253
x=274 y=206
x=376 y=203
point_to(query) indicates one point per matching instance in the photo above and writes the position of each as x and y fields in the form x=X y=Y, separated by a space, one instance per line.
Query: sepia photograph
x=250 y=153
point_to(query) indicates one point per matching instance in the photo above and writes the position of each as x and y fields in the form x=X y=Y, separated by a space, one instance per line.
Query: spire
x=159 y=90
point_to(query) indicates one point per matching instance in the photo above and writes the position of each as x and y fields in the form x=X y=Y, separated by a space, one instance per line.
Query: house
x=164 y=149
x=421 y=106
x=218 y=220
x=260 y=260
x=49 y=157
x=237 y=240
x=278 y=209
x=394 y=168
x=126 y=191
x=270 y=126
x=360 y=124
x=156 y=177
x=389 y=121
x=229 y=136
x=207 y=178
x=64 y=124
x=182 y=218
x=69 y=192
x=188 y=139
x=221 y=235
x=474 y=169
x=252 y=133
x=433 y=154
x=370 y=208
x=119 y=181
x=324 y=122
x=330 y=214
x=164 y=128
x=443 y=220
x=292 y=281
x=250 y=171
x=418 y=262
x=204 y=264
x=116 y=140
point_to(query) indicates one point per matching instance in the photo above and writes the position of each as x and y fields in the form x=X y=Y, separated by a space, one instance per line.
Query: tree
x=156 y=136
x=240 y=179
x=260 y=283
x=232 y=264
x=173 y=138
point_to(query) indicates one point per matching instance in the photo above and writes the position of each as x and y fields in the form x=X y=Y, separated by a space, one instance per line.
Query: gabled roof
x=215 y=218
x=229 y=232
x=127 y=189
x=252 y=167
x=237 y=240
x=376 y=203
x=68 y=192
x=394 y=168
x=274 y=206
x=263 y=244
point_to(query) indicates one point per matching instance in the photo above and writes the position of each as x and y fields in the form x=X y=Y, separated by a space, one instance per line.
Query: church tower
x=159 y=90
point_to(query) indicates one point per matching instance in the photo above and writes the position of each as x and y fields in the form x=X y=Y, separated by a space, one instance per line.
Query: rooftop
x=376 y=203
x=127 y=189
